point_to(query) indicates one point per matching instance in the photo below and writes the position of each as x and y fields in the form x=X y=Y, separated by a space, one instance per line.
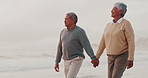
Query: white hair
x=73 y=16
x=121 y=6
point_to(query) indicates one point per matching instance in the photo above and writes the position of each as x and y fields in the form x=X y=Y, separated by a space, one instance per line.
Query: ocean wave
x=26 y=56
x=15 y=69
x=25 y=63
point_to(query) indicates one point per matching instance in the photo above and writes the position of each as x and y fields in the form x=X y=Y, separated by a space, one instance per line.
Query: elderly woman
x=118 y=39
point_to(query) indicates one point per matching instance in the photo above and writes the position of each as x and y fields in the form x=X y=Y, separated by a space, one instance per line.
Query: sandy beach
x=29 y=34
x=87 y=71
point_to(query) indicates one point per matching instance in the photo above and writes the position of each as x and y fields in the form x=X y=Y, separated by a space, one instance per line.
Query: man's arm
x=129 y=33
x=86 y=44
x=101 y=47
x=59 y=55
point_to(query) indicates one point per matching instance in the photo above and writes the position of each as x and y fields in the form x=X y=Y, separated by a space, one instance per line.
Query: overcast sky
x=31 y=20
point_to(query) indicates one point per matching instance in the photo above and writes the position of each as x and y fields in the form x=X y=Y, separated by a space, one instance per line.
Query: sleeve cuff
x=93 y=58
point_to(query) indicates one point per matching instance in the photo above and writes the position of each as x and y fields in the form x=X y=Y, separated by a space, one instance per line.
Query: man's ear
x=120 y=12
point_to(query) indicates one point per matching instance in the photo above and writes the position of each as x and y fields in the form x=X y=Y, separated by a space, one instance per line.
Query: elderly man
x=72 y=41
x=118 y=39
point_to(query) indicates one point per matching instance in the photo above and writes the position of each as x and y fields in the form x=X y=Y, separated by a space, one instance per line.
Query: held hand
x=56 y=67
x=95 y=62
x=129 y=64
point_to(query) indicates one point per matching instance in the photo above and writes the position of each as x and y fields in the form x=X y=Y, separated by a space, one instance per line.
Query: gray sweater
x=71 y=44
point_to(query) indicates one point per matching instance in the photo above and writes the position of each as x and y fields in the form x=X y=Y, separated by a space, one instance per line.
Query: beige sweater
x=117 y=39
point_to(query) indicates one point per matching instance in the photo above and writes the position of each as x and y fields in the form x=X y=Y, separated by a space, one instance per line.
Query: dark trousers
x=117 y=65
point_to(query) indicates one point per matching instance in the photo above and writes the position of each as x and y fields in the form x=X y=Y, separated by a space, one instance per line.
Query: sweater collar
x=119 y=21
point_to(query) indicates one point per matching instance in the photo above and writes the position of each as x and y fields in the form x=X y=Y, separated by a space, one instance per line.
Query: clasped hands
x=95 y=62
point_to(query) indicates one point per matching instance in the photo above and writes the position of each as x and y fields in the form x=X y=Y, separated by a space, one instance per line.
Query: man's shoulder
x=79 y=28
x=109 y=22
x=63 y=30
x=126 y=21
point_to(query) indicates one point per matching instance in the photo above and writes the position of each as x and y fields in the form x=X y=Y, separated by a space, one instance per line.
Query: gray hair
x=121 y=6
x=73 y=16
